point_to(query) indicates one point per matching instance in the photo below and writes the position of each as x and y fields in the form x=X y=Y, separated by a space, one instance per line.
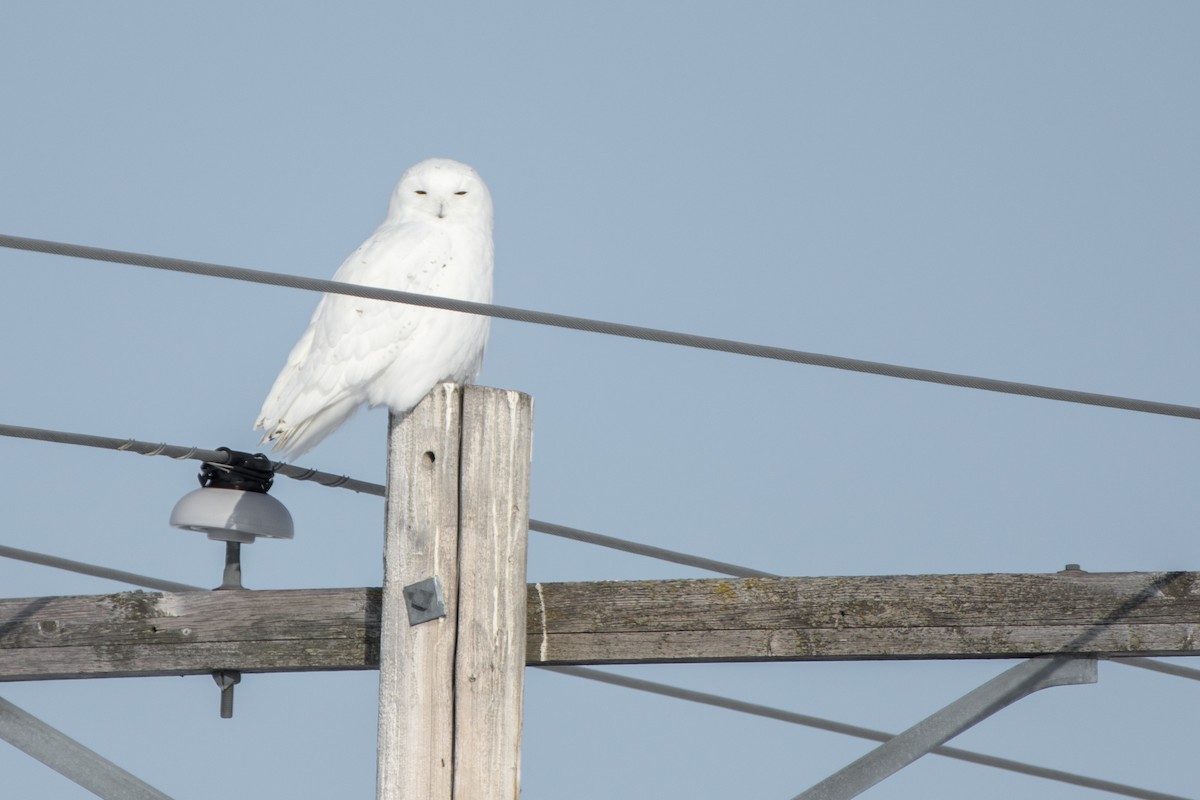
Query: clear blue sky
x=1004 y=189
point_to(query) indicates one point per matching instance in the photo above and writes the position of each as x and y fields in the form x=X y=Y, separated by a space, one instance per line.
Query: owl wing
x=349 y=342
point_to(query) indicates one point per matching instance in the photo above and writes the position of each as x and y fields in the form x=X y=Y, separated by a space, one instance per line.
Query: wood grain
x=190 y=633
x=886 y=617
x=755 y=619
x=416 y=708
x=490 y=667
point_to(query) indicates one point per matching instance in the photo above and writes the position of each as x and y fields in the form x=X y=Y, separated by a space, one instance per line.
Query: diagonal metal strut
x=973 y=707
x=70 y=758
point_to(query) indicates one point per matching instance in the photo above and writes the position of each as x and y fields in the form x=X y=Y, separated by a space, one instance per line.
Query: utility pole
x=452 y=642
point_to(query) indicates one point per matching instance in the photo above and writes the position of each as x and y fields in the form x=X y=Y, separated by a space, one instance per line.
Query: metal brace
x=424 y=600
x=904 y=748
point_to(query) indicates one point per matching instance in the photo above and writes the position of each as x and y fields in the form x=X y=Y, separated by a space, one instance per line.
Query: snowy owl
x=436 y=240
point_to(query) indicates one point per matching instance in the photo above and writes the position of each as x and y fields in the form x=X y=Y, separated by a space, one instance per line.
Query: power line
x=1159 y=666
x=598 y=326
x=364 y=487
x=121 y=576
x=650 y=551
x=860 y=732
x=181 y=453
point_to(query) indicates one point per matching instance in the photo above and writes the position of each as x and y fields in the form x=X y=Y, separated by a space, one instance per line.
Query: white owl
x=436 y=240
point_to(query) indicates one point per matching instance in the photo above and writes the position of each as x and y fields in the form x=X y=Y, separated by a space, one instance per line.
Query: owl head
x=443 y=190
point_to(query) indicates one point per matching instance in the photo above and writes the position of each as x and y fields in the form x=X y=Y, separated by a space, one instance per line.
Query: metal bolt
x=227 y=679
x=232 y=578
x=421 y=599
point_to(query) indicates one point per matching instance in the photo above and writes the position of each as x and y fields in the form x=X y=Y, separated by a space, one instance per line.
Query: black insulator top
x=245 y=471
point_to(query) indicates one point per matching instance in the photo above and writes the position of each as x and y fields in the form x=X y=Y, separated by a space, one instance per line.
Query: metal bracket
x=976 y=706
x=424 y=600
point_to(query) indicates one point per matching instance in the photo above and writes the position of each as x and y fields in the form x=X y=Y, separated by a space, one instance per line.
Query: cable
x=1159 y=666
x=364 y=487
x=862 y=733
x=597 y=326
x=650 y=551
x=96 y=571
x=181 y=453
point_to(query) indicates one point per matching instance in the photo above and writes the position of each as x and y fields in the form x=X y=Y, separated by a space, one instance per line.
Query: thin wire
x=109 y=443
x=365 y=487
x=661 y=553
x=597 y=326
x=862 y=733
x=96 y=571
x=1159 y=666
x=179 y=452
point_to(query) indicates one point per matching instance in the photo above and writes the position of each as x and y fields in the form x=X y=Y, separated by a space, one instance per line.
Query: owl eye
x=419 y=191
x=460 y=193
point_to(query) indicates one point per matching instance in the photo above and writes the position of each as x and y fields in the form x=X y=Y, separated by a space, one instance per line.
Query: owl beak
x=441 y=210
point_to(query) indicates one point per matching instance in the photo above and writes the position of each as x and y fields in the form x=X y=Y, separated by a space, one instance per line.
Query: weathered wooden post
x=453 y=646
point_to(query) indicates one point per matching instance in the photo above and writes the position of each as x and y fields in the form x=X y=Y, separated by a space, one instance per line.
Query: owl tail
x=295 y=439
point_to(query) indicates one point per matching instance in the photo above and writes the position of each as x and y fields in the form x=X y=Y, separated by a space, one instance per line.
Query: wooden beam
x=888 y=617
x=755 y=619
x=190 y=633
